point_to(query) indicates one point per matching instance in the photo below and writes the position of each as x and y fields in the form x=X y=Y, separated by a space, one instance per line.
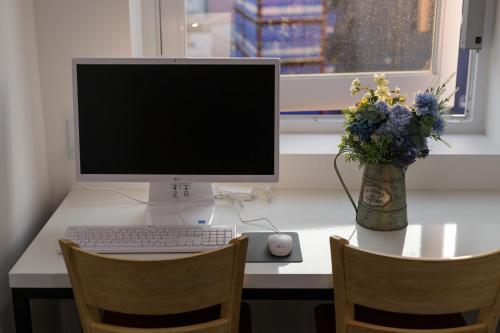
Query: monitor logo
x=177 y=179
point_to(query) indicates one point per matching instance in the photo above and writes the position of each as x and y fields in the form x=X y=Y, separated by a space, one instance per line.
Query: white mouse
x=280 y=244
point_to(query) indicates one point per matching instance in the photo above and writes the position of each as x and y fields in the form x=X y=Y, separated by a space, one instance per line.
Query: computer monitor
x=179 y=124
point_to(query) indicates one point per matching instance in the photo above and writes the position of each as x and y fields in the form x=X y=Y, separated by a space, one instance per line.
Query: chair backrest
x=158 y=287
x=413 y=286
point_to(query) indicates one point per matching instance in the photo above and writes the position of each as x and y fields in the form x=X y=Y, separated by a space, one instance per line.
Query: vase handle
x=342 y=180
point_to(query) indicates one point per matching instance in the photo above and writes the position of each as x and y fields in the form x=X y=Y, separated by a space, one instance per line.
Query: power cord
x=237 y=202
x=223 y=195
x=150 y=203
x=110 y=189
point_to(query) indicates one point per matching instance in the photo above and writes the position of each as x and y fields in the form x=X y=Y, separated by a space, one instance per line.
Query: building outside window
x=324 y=44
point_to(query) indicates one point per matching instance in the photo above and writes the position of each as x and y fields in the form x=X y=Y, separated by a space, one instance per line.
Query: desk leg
x=22 y=311
x=21 y=298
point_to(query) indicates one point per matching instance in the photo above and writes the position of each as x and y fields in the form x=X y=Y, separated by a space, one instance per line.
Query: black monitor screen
x=176 y=119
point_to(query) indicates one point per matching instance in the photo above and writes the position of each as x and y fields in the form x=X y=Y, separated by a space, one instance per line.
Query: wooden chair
x=153 y=290
x=376 y=293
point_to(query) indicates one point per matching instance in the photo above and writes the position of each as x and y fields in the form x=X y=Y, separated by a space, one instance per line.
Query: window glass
x=462 y=72
x=316 y=36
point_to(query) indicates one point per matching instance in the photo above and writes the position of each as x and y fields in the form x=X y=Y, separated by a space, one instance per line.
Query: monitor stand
x=180 y=204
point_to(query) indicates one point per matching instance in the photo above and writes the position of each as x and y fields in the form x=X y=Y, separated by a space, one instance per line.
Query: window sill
x=326 y=144
x=306 y=162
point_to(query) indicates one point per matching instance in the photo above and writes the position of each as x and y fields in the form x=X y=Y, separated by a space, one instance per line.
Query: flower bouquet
x=385 y=134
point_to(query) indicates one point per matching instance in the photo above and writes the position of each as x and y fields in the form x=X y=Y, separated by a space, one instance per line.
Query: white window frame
x=331 y=91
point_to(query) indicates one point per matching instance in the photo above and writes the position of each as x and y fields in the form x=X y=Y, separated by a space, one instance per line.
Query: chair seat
x=325 y=319
x=182 y=319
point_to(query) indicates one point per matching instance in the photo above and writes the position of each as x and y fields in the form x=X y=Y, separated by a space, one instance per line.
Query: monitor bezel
x=177 y=177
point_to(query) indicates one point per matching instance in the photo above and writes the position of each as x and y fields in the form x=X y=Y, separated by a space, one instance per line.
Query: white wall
x=493 y=83
x=67 y=29
x=24 y=185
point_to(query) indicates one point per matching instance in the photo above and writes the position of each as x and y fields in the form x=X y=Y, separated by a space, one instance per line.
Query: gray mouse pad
x=258 y=252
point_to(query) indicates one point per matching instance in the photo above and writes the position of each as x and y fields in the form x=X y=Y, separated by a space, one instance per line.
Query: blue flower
x=425 y=151
x=405 y=152
x=362 y=128
x=382 y=108
x=399 y=118
x=426 y=104
x=381 y=130
x=438 y=126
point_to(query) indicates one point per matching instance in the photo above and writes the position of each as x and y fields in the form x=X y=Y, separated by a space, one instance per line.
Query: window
x=316 y=36
x=324 y=44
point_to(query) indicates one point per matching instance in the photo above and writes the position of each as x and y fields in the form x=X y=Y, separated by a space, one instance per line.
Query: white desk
x=441 y=224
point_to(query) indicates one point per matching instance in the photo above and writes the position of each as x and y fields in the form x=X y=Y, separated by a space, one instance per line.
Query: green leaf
x=419 y=141
x=414 y=126
x=373 y=116
x=425 y=130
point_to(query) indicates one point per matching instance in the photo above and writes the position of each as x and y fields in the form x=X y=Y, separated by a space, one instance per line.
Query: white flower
x=355 y=86
x=367 y=95
x=380 y=80
x=382 y=91
x=397 y=91
x=353 y=108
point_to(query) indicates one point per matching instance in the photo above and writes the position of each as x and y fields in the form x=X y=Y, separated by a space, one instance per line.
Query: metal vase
x=382 y=200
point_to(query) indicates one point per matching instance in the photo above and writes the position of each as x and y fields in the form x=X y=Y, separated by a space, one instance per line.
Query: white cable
x=231 y=197
x=150 y=203
x=257 y=220
x=227 y=194
x=251 y=221
x=266 y=189
x=93 y=188
x=236 y=199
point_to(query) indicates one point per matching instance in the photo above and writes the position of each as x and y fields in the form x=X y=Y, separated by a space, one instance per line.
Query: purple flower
x=405 y=152
x=382 y=108
x=426 y=104
x=399 y=118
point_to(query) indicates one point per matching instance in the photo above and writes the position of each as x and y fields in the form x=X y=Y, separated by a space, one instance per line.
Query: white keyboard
x=149 y=239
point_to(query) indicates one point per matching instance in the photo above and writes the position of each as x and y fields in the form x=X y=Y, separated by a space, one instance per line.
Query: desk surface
x=441 y=224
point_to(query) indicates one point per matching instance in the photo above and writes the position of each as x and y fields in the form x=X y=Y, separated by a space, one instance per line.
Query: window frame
x=331 y=91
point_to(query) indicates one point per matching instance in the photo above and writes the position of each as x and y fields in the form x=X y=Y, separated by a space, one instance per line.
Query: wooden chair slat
x=421 y=286
x=414 y=286
x=158 y=287
x=217 y=326
x=354 y=326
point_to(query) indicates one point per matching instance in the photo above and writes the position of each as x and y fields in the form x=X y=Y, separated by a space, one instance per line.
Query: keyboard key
x=143 y=239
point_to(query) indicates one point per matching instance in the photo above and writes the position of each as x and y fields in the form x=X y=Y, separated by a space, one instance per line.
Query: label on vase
x=376 y=196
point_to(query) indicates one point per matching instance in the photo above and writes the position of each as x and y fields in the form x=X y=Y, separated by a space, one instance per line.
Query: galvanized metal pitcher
x=382 y=200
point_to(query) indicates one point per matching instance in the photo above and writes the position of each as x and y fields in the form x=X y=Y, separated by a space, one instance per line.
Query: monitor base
x=180 y=204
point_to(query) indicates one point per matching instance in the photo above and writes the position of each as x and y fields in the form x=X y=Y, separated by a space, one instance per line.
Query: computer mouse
x=280 y=244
